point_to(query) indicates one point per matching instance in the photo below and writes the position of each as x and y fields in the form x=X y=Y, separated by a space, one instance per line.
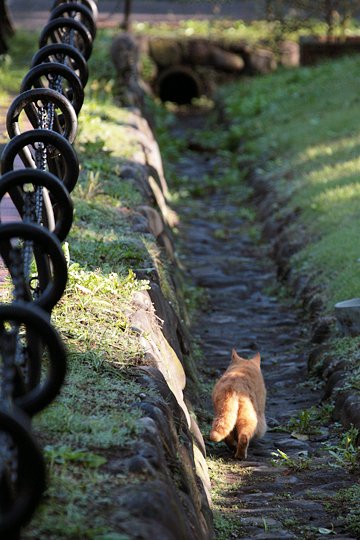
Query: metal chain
x=9 y=454
x=7 y=346
x=18 y=278
x=13 y=354
x=55 y=83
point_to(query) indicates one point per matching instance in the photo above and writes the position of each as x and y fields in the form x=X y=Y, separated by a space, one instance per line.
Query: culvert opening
x=179 y=85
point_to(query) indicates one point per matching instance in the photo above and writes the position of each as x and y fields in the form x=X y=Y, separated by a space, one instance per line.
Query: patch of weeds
x=299 y=463
x=303 y=423
x=91 y=187
x=226 y=521
x=65 y=454
x=227 y=526
x=345 y=503
x=347 y=452
x=347 y=349
x=164 y=273
x=310 y=421
x=352 y=381
x=291 y=522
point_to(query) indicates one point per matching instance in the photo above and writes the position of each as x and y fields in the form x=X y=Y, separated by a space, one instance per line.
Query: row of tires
x=39 y=169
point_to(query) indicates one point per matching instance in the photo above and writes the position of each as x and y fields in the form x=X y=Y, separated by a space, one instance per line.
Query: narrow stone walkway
x=287 y=500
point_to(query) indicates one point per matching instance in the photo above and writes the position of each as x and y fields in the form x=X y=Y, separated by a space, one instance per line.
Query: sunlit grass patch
x=303 y=126
x=226 y=520
x=237 y=30
x=95 y=419
x=15 y=64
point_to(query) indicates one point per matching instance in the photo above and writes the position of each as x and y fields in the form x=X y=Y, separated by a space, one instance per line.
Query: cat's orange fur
x=239 y=401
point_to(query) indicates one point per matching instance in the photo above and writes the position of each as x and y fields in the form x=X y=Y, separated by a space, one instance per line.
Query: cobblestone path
x=288 y=500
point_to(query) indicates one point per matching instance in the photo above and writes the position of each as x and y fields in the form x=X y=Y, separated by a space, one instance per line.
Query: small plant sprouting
x=302 y=424
x=310 y=421
x=64 y=454
x=347 y=452
x=299 y=463
x=91 y=187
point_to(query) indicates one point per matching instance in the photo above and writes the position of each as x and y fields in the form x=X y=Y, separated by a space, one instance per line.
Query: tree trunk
x=330 y=17
x=125 y=25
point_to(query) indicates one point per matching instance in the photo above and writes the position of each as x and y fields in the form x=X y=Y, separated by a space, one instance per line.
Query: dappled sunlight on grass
x=333 y=261
x=331 y=190
x=226 y=477
x=103 y=121
x=302 y=126
x=346 y=145
x=340 y=174
x=335 y=198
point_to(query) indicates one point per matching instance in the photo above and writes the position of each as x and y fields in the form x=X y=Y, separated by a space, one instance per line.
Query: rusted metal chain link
x=32 y=251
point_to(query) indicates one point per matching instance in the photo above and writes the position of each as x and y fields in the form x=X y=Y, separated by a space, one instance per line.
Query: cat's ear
x=256 y=359
x=234 y=355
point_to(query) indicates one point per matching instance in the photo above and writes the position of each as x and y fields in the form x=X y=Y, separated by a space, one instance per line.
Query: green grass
x=345 y=503
x=301 y=128
x=232 y=30
x=95 y=420
x=226 y=523
x=15 y=64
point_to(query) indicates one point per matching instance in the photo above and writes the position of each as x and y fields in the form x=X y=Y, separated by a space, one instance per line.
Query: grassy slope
x=302 y=127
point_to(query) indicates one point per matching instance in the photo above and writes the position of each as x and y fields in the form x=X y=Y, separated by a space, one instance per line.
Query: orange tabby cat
x=239 y=401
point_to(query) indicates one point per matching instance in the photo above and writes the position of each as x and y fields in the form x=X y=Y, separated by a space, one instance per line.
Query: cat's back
x=241 y=375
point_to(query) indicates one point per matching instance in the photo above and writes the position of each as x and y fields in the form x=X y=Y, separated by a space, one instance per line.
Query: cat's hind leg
x=246 y=425
x=231 y=440
x=242 y=446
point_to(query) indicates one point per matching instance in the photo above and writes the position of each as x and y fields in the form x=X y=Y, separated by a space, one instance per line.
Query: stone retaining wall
x=171 y=500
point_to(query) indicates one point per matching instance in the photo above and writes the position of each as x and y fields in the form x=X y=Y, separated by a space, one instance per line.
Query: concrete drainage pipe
x=179 y=84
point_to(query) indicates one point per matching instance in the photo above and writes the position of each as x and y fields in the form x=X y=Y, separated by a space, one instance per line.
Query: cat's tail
x=226 y=416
